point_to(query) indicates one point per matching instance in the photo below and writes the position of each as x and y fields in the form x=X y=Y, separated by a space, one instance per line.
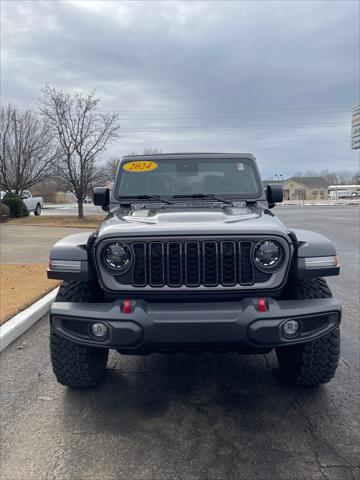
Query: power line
x=232 y=127
x=207 y=135
x=144 y=114
x=170 y=111
x=346 y=108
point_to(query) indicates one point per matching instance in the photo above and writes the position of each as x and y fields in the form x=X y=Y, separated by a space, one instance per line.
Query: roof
x=189 y=155
x=309 y=182
x=339 y=187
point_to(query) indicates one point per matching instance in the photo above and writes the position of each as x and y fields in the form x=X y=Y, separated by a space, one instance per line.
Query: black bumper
x=229 y=326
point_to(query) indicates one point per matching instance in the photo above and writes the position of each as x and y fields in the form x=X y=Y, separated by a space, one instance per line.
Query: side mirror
x=102 y=197
x=274 y=194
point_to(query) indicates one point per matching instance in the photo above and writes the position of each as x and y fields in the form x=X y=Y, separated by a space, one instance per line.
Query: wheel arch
x=312 y=245
x=70 y=260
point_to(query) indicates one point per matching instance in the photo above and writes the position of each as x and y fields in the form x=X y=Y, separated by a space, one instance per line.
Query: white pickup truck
x=33 y=204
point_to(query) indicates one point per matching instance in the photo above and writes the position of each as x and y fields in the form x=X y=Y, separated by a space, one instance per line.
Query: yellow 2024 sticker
x=140 y=166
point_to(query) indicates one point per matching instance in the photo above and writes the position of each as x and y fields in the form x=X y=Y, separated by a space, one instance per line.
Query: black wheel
x=311 y=363
x=75 y=365
x=37 y=210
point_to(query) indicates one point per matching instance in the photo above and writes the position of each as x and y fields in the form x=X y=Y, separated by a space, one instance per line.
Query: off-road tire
x=311 y=363
x=37 y=210
x=76 y=365
x=73 y=291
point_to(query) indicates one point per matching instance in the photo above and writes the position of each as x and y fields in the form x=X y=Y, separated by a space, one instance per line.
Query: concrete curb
x=17 y=325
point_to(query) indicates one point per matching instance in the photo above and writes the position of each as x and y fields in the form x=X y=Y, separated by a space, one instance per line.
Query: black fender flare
x=69 y=258
x=311 y=244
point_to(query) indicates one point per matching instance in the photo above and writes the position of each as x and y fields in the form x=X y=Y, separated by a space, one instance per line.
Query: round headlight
x=267 y=255
x=117 y=256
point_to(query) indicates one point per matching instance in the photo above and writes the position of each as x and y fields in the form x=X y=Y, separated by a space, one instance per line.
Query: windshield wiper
x=153 y=197
x=205 y=195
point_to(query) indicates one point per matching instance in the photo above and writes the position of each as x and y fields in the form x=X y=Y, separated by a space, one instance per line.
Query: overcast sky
x=277 y=79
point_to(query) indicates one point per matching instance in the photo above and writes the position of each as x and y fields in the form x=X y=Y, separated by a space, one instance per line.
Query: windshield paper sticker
x=140 y=166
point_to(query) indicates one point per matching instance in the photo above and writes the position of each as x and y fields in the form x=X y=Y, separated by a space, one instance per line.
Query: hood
x=182 y=220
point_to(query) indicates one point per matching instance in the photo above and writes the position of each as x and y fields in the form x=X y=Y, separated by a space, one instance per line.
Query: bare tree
x=344 y=177
x=110 y=167
x=152 y=151
x=356 y=178
x=338 y=177
x=331 y=177
x=306 y=173
x=49 y=189
x=83 y=133
x=27 y=151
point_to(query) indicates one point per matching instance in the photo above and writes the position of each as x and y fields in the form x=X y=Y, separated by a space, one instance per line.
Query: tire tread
x=76 y=365
x=314 y=362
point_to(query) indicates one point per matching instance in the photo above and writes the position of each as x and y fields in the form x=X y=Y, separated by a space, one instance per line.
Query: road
x=70 y=209
x=190 y=416
x=30 y=244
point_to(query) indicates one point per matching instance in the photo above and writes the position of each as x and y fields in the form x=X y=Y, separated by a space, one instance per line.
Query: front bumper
x=229 y=326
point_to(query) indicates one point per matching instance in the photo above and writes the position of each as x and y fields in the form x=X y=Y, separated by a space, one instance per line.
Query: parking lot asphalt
x=70 y=209
x=190 y=417
x=29 y=244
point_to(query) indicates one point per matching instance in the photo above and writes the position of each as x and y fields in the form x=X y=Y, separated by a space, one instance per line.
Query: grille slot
x=228 y=263
x=192 y=264
x=246 y=266
x=174 y=258
x=139 y=277
x=157 y=260
x=210 y=264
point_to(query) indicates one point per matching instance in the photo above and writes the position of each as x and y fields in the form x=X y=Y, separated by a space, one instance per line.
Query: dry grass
x=91 y=221
x=21 y=286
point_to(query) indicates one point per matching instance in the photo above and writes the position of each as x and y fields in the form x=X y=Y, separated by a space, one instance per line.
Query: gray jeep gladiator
x=190 y=258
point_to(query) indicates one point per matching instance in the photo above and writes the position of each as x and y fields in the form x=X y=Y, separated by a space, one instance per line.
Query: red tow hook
x=126 y=306
x=262 y=305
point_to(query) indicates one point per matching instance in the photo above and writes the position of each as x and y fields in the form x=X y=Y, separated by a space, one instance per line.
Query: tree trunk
x=80 y=208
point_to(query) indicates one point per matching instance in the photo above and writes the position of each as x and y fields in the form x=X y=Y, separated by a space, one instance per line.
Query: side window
x=25 y=194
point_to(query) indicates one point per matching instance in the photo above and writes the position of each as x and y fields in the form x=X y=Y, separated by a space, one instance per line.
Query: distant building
x=305 y=188
x=65 y=197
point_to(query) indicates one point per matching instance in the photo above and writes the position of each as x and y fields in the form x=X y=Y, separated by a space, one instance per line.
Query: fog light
x=290 y=327
x=99 y=330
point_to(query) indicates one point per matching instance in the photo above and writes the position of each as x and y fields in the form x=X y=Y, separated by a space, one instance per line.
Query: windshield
x=231 y=178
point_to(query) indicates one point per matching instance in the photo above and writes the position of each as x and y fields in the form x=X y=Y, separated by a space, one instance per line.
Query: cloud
x=274 y=78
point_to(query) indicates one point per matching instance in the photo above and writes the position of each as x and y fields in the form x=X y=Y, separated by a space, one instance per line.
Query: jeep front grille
x=189 y=263
x=194 y=263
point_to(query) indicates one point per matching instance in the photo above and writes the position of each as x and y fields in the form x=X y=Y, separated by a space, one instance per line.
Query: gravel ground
x=190 y=416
